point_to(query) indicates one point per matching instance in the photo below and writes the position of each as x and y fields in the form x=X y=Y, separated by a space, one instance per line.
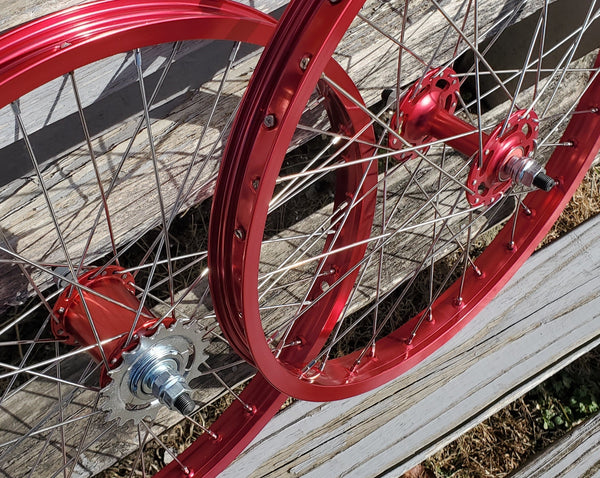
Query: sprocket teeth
x=117 y=399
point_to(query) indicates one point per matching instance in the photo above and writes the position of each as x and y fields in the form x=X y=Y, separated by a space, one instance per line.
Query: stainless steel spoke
x=380 y=242
x=396 y=135
x=246 y=406
x=571 y=53
x=538 y=72
x=155 y=169
x=86 y=432
x=472 y=47
x=92 y=154
x=66 y=355
x=569 y=112
x=85 y=447
x=184 y=468
x=57 y=228
x=399 y=43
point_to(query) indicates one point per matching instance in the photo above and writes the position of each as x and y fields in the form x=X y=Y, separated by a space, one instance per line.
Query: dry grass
x=506 y=440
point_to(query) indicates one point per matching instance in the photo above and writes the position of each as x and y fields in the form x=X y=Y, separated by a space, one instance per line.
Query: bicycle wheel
x=113 y=116
x=476 y=152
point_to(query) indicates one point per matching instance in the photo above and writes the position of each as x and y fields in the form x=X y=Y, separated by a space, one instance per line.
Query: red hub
x=422 y=109
x=426 y=113
x=490 y=178
x=111 y=313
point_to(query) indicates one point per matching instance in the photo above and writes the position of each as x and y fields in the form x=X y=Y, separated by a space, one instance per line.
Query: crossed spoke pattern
x=373 y=245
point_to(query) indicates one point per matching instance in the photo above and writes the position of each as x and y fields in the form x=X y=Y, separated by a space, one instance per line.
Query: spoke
x=569 y=112
x=86 y=431
x=140 y=456
x=197 y=256
x=533 y=63
x=64 y=279
x=53 y=361
x=478 y=88
x=400 y=138
x=58 y=231
x=541 y=48
x=246 y=406
x=92 y=154
x=84 y=448
x=573 y=48
x=562 y=65
x=209 y=432
x=399 y=43
x=400 y=54
x=184 y=468
x=472 y=47
x=136 y=132
x=161 y=202
x=522 y=74
x=380 y=242
x=337 y=137
x=61 y=418
x=41 y=431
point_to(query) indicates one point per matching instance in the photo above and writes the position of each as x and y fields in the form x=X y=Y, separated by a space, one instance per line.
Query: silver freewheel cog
x=155 y=373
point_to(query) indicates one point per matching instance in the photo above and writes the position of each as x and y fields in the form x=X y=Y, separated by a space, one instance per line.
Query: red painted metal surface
x=487 y=180
x=425 y=113
x=110 y=318
x=37 y=52
x=281 y=88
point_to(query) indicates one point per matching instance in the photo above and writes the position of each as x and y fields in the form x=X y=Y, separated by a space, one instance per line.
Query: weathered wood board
x=546 y=317
x=355 y=437
x=577 y=454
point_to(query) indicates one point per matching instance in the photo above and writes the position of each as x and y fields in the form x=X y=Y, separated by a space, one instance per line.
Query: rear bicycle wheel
x=114 y=115
x=460 y=200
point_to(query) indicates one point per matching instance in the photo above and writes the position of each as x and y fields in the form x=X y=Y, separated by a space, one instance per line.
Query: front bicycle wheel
x=114 y=115
x=488 y=121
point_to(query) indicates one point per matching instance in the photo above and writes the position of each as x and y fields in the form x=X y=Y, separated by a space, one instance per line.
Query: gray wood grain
x=577 y=454
x=538 y=324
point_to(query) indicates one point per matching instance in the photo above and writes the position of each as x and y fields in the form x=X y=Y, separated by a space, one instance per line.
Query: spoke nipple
x=544 y=182
x=304 y=62
x=239 y=233
x=458 y=301
x=511 y=245
x=184 y=404
x=269 y=121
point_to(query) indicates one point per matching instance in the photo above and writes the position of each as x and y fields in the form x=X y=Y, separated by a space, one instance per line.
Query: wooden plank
x=538 y=324
x=110 y=448
x=575 y=454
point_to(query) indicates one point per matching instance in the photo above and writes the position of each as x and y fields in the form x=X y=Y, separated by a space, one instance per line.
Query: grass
x=506 y=440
